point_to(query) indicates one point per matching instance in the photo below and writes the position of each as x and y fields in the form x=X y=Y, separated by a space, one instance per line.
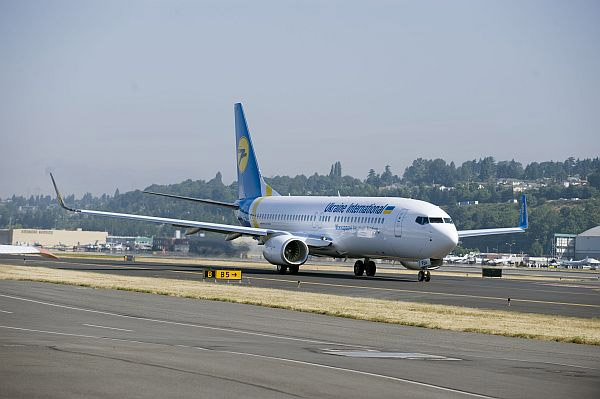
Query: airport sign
x=223 y=274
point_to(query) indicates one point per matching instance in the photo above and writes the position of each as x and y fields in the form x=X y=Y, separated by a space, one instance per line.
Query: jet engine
x=285 y=250
x=423 y=264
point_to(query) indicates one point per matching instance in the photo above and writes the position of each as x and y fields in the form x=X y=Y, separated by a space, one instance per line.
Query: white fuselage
x=360 y=227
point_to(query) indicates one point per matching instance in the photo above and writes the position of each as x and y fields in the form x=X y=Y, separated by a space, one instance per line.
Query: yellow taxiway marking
x=427 y=292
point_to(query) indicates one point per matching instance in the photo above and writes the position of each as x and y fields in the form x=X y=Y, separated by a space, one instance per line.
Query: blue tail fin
x=250 y=181
x=523 y=220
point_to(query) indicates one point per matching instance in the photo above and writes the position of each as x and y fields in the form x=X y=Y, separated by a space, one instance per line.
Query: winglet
x=523 y=220
x=59 y=197
x=47 y=253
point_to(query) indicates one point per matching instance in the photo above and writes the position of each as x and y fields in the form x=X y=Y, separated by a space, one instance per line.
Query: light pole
x=510 y=244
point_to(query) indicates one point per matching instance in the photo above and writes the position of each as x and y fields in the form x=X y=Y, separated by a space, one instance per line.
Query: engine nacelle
x=285 y=250
x=423 y=264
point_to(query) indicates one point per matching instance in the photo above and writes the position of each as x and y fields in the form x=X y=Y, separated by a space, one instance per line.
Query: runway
x=63 y=341
x=579 y=298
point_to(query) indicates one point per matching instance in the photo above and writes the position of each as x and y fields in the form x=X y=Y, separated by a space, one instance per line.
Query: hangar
x=587 y=244
x=52 y=238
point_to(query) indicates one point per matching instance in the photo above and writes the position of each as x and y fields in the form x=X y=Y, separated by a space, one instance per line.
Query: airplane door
x=398 y=226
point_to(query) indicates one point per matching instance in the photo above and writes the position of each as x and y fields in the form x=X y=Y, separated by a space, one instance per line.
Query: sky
x=113 y=94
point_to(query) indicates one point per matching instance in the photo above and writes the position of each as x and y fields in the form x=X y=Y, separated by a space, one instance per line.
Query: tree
x=594 y=179
x=387 y=177
x=536 y=249
x=373 y=178
x=336 y=170
x=488 y=168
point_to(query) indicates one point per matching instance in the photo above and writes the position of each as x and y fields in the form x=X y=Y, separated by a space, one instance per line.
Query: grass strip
x=446 y=317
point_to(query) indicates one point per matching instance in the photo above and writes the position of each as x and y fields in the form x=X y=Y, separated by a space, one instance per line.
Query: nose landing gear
x=367 y=266
x=424 y=275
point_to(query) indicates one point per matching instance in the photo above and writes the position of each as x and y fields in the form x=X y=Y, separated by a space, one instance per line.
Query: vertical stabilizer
x=250 y=181
x=523 y=218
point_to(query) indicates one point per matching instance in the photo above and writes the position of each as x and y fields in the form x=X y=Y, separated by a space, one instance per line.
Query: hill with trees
x=563 y=197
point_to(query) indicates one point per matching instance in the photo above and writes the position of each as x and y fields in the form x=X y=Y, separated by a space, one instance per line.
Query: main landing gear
x=424 y=275
x=367 y=266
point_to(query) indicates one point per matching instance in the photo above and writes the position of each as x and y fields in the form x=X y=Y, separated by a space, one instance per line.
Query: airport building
x=171 y=244
x=587 y=244
x=130 y=242
x=52 y=238
x=564 y=246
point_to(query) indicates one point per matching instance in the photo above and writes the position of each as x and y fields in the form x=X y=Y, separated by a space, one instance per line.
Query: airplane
x=291 y=228
x=456 y=259
x=25 y=250
x=583 y=262
x=500 y=261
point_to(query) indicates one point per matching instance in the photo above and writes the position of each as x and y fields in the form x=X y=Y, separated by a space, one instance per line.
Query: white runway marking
x=4 y=311
x=387 y=355
x=265 y=335
x=280 y=359
x=231 y=330
x=108 y=328
x=325 y=366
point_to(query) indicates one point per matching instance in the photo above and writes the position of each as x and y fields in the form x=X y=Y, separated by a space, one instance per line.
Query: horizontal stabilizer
x=201 y=200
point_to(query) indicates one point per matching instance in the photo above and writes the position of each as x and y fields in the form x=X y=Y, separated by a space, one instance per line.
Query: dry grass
x=455 y=318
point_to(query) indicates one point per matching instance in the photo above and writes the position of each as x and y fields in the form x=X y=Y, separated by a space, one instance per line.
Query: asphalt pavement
x=59 y=341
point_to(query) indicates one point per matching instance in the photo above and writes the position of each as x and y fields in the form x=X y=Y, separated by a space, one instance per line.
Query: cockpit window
x=422 y=220
x=436 y=220
x=448 y=220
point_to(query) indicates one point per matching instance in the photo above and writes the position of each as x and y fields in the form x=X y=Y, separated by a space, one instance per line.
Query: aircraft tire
x=281 y=269
x=294 y=269
x=427 y=276
x=371 y=268
x=359 y=268
x=421 y=275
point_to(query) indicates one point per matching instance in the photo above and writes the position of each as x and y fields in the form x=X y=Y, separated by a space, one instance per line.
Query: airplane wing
x=25 y=250
x=523 y=224
x=214 y=227
x=488 y=232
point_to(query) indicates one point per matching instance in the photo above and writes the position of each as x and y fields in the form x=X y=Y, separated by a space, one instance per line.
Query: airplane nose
x=447 y=241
